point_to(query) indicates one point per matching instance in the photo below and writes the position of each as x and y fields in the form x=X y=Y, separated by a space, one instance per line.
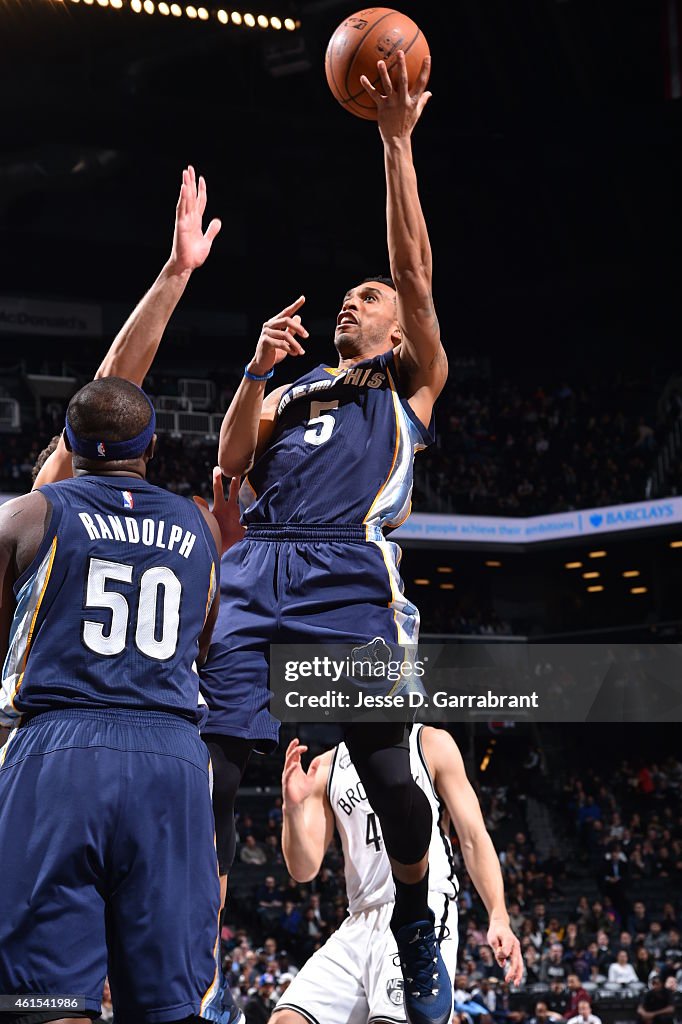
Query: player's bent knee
x=287 y=1017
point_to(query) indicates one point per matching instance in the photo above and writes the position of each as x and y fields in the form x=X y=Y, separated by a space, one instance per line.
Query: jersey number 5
x=156 y=629
x=320 y=424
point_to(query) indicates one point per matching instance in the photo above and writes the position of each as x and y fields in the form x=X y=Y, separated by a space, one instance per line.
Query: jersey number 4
x=321 y=423
x=158 y=618
x=373 y=836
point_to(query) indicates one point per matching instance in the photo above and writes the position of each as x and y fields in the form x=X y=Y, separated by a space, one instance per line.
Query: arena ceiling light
x=493 y=565
x=264 y=22
x=445 y=568
x=421 y=582
x=591 y=575
x=595 y=590
x=631 y=573
x=447 y=586
x=639 y=590
x=597 y=554
x=676 y=543
x=573 y=565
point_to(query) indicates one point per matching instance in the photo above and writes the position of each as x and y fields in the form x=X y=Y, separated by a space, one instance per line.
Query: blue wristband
x=255 y=376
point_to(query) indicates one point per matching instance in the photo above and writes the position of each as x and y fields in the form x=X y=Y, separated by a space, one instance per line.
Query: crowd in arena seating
x=508 y=447
x=505 y=447
x=588 y=935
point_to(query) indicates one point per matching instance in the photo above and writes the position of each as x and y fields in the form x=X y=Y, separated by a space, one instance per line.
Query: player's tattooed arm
x=133 y=349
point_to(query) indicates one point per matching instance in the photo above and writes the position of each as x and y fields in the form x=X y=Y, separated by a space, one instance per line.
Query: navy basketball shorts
x=109 y=863
x=293 y=584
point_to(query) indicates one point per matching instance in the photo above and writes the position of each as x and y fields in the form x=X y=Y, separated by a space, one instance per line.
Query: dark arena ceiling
x=549 y=162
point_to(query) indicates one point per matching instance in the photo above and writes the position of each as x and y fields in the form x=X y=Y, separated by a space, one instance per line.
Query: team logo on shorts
x=377 y=650
x=101 y=450
x=394 y=991
x=344 y=761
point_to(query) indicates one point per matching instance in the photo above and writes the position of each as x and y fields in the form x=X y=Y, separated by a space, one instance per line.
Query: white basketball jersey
x=369 y=881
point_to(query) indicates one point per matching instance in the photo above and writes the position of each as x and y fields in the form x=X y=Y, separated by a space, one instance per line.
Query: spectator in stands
x=275 y=811
x=516 y=918
x=644 y=964
x=269 y=902
x=621 y=972
x=588 y=812
x=598 y=920
x=283 y=982
x=291 y=891
x=638 y=919
x=558 y=997
x=253 y=852
x=655 y=942
x=261 y=1004
x=285 y=964
x=464 y=1002
x=657 y=1004
x=543 y=1015
x=576 y=994
x=669 y=917
x=605 y=955
x=584 y=1014
x=488 y=966
x=573 y=943
x=312 y=934
x=533 y=965
x=290 y=924
x=540 y=916
x=614 y=876
x=672 y=950
x=553 y=967
x=273 y=851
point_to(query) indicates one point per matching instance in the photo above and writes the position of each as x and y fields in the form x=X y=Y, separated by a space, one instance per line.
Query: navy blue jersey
x=342 y=451
x=110 y=611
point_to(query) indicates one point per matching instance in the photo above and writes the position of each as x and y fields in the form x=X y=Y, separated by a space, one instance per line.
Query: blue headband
x=113 y=451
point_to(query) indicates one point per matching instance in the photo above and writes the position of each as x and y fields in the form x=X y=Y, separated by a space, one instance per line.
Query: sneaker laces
x=421 y=964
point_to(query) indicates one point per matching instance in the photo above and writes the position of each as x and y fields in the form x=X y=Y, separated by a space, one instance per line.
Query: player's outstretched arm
x=250 y=419
x=308 y=820
x=133 y=349
x=421 y=357
x=480 y=857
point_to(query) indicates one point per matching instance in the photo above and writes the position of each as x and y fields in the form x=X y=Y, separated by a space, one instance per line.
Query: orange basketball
x=376 y=33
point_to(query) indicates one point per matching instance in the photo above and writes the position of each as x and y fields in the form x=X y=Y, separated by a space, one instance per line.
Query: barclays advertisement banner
x=557 y=526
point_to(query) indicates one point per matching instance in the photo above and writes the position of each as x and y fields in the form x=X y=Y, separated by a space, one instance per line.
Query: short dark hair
x=109 y=409
x=382 y=279
x=43 y=457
